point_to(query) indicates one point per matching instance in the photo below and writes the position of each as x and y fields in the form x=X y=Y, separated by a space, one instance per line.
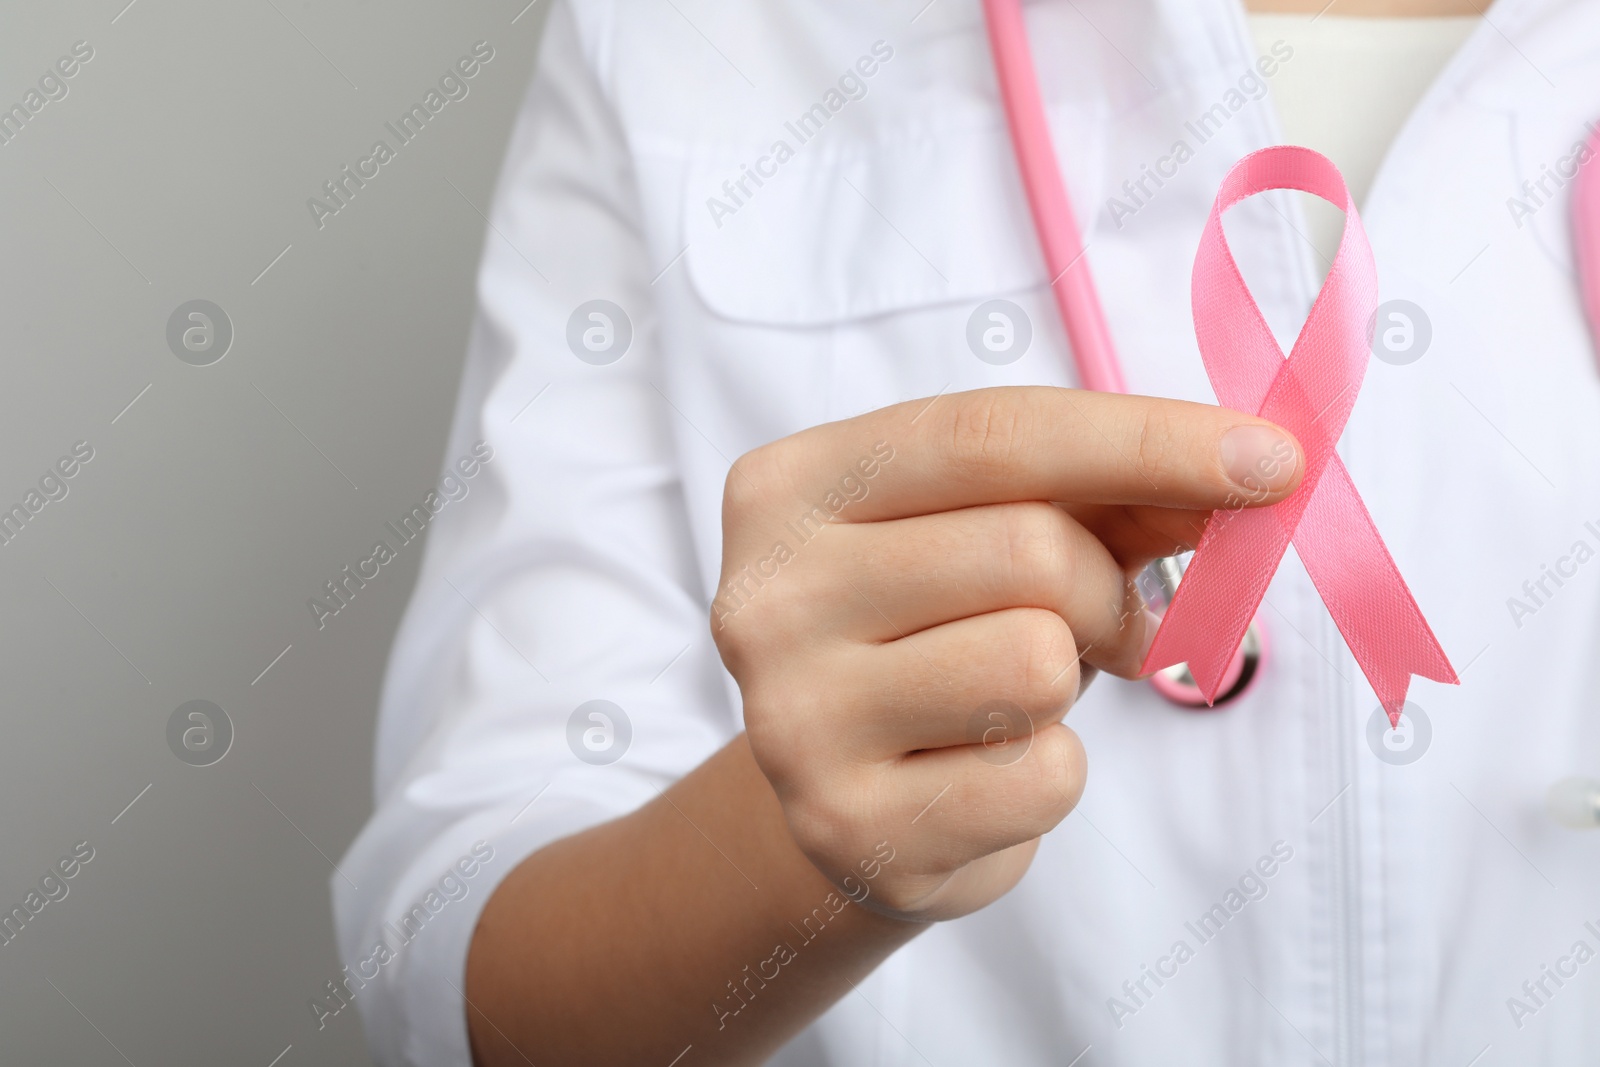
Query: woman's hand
x=910 y=617
x=909 y=622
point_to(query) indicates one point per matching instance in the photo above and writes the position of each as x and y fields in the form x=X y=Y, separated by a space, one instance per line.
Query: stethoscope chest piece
x=1157 y=584
x=1178 y=685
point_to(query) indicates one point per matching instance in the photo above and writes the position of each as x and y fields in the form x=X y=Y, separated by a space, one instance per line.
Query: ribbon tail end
x=1164 y=654
x=1394 y=703
x=1442 y=673
x=1208 y=676
x=1392 y=692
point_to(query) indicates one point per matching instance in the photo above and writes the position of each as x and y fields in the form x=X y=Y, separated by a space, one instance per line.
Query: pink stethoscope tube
x=1081 y=312
x=1071 y=281
x=1575 y=802
x=1586 y=233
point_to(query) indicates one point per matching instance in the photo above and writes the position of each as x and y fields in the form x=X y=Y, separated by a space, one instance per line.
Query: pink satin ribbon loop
x=1311 y=394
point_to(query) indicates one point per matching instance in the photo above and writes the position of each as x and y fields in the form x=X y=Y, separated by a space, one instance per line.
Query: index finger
x=1002 y=445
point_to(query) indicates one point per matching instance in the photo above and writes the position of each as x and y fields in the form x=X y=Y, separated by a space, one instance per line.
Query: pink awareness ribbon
x=1310 y=394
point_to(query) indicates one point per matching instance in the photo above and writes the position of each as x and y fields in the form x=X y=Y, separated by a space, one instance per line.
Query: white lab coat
x=1415 y=901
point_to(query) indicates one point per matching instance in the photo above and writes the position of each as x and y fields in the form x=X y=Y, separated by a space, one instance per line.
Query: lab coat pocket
x=815 y=232
x=846 y=273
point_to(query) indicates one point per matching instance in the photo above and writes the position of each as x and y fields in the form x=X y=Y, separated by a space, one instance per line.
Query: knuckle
x=1119 y=647
x=1060 y=771
x=1049 y=661
x=802 y=736
x=781 y=720
x=768 y=729
x=1039 y=550
x=743 y=492
x=731 y=636
x=1158 y=439
x=738 y=631
x=757 y=597
x=986 y=433
x=765 y=735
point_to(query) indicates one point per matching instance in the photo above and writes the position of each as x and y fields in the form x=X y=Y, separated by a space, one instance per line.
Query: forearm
x=694 y=921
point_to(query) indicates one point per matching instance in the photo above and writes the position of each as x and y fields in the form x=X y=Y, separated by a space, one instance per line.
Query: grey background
x=178 y=566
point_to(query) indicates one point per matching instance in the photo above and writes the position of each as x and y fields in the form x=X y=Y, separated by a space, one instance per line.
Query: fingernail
x=1258 y=458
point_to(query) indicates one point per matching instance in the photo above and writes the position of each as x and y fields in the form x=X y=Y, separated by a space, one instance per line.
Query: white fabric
x=1349 y=87
x=1418 y=899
